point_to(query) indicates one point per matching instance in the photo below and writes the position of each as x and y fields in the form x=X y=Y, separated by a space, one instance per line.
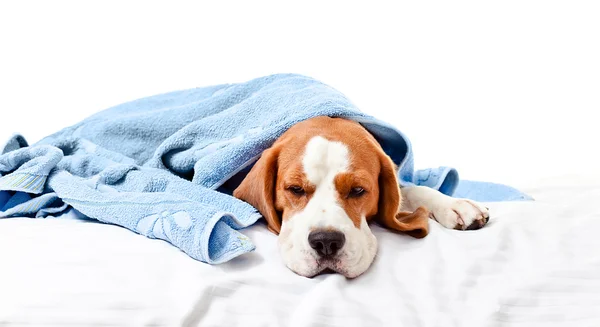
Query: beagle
x=324 y=180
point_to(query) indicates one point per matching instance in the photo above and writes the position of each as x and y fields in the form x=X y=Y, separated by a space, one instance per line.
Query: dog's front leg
x=461 y=214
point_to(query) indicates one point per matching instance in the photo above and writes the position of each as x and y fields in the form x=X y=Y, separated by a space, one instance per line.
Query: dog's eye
x=297 y=190
x=356 y=192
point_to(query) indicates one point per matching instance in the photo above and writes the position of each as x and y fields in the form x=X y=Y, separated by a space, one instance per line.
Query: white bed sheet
x=535 y=264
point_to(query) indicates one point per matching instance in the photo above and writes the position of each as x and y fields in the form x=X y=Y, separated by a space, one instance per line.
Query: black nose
x=326 y=243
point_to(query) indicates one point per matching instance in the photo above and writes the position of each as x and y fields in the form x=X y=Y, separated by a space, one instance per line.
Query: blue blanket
x=165 y=166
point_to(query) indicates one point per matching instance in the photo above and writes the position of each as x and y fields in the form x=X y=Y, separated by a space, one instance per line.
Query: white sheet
x=535 y=264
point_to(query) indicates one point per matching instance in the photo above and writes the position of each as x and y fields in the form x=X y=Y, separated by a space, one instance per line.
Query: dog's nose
x=326 y=243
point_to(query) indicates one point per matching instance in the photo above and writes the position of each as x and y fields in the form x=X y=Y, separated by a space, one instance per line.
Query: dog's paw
x=460 y=214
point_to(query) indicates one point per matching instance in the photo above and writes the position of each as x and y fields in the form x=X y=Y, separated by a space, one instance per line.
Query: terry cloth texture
x=165 y=166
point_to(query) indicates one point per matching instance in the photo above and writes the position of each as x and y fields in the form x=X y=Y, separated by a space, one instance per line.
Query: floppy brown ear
x=415 y=223
x=258 y=188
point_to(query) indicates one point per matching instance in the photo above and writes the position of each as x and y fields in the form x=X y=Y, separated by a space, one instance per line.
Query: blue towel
x=165 y=166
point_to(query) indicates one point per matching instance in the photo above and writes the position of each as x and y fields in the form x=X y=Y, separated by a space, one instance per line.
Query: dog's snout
x=326 y=243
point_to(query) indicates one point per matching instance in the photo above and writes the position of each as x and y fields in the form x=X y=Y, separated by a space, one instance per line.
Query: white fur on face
x=322 y=161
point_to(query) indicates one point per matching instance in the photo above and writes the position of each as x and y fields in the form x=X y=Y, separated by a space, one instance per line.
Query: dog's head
x=318 y=186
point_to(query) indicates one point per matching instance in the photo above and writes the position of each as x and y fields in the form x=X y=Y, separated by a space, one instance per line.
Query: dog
x=321 y=183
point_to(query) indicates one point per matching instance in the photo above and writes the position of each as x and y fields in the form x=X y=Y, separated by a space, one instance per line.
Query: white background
x=505 y=91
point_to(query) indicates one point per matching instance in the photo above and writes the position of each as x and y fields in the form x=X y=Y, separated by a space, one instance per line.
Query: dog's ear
x=258 y=188
x=414 y=223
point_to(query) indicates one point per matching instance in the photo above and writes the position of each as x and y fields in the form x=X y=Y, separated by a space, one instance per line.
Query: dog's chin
x=328 y=266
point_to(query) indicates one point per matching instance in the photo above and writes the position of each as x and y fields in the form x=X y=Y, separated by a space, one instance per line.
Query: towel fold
x=165 y=166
